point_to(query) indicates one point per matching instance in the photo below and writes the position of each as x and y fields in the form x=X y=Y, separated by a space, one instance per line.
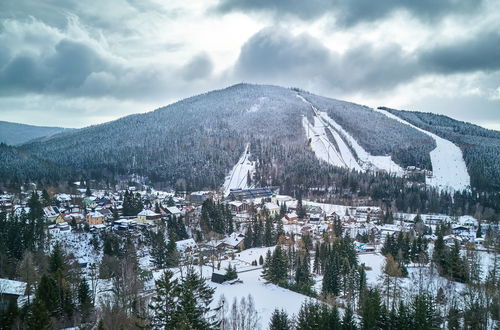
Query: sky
x=68 y=63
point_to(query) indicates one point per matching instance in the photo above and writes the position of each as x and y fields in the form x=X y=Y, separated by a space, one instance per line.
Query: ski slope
x=237 y=178
x=366 y=160
x=448 y=165
x=342 y=155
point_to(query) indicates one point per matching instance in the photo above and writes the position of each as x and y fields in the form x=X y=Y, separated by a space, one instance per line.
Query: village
x=75 y=221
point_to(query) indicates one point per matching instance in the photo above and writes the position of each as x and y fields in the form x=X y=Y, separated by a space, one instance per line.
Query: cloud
x=352 y=12
x=276 y=54
x=200 y=66
x=480 y=52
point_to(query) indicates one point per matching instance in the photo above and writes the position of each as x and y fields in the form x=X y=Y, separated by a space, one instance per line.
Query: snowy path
x=238 y=176
x=448 y=165
x=343 y=156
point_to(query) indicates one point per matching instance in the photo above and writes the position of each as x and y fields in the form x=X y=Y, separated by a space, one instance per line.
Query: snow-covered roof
x=271 y=206
x=95 y=214
x=147 y=213
x=233 y=240
x=186 y=244
x=173 y=210
x=12 y=287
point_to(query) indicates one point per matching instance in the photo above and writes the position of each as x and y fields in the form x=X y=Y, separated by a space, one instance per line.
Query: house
x=238 y=207
x=218 y=278
x=272 y=208
x=173 y=211
x=95 y=218
x=186 y=245
x=148 y=216
x=59 y=218
x=233 y=241
x=51 y=212
x=10 y=291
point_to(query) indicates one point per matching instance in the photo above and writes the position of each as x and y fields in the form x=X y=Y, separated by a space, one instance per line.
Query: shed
x=218 y=278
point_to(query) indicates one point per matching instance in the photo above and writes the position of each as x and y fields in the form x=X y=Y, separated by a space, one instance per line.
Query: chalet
x=173 y=211
x=233 y=241
x=148 y=216
x=186 y=245
x=239 y=207
x=95 y=218
x=10 y=291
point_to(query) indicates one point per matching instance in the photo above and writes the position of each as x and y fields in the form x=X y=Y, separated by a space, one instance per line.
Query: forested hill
x=192 y=144
x=480 y=146
x=15 y=134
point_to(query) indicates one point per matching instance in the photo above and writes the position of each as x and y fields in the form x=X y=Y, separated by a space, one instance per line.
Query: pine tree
x=279 y=320
x=38 y=316
x=194 y=303
x=348 y=322
x=231 y=273
x=164 y=303
x=84 y=299
x=268 y=232
x=370 y=309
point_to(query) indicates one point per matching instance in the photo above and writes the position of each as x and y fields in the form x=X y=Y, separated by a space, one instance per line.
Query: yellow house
x=59 y=218
x=147 y=216
x=95 y=218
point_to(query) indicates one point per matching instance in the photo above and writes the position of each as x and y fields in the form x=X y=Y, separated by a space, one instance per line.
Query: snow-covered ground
x=267 y=297
x=237 y=178
x=341 y=154
x=448 y=165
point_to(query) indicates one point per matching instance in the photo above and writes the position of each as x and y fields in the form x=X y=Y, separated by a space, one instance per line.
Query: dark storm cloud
x=479 y=53
x=273 y=52
x=200 y=66
x=65 y=69
x=351 y=12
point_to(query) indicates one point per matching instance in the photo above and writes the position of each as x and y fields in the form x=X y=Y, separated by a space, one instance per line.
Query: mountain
x=293 y=137
x=16 y=134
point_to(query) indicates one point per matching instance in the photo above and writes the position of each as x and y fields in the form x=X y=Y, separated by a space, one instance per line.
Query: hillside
x=480 y=146
x=194 y=143
x=16 y=134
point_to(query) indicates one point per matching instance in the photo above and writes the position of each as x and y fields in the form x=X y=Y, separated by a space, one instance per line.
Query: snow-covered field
x=341 y=154
x=448 y=165
x=237 y=178
x=267 y=297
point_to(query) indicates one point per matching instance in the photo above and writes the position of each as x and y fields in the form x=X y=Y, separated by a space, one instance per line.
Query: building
x=148 y=216
x=252 y=193
x=233 y=241
x=271 y=208
x=95 y=218
x=218 y=278
x=10 y=291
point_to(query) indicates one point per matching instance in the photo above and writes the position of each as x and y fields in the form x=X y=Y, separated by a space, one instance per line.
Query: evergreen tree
x=84 y=299
x=348 y=322
x=194 y=303
x=164 y=303
x=370 y=309
x=279 y=320
x=231 y=273
x=38 y=316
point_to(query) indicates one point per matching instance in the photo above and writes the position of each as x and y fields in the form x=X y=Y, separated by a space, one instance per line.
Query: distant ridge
x=16 y=134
